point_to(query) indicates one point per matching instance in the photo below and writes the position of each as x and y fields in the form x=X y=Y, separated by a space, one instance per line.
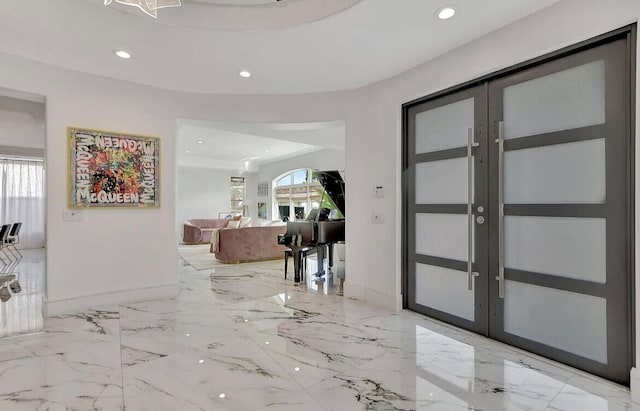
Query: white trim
x=74 y=305
x=635 y=385
x=371 y=296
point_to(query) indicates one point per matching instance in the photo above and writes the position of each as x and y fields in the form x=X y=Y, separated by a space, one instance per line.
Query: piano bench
x=289 y=253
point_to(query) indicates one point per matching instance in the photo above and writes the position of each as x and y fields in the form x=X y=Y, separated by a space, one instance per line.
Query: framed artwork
x=115 y=170
x=262 y=211
x=263 y=189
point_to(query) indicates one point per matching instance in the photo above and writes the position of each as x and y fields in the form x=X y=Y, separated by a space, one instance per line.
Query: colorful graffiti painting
x=113 y=170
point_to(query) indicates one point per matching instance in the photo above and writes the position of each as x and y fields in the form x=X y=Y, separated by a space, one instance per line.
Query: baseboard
x=635 y=385
x=370 y=296
x=78 y=304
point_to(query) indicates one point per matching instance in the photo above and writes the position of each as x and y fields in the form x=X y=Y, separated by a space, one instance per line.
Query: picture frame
x=113 y=170
x=262 y=210
x=263 y=189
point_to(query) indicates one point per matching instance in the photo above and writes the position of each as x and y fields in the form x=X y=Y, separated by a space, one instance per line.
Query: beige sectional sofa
x=239 y=245
x=198 y=230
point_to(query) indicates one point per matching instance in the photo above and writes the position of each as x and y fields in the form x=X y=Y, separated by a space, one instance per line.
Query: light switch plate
x=378 y=191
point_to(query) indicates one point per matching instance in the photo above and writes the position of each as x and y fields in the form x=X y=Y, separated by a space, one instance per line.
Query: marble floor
x=240 y=337
x=22 y=312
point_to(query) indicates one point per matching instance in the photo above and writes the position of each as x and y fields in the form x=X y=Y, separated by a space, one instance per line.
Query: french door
x=518 y=213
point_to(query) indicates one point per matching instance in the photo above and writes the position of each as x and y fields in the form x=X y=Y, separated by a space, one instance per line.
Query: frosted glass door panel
x=559 y=173
x=442 y=235
x=444 y=127
x=442 y=182
x=561 y=101
x=569 y=321
x=564 y=246
x=444 y=290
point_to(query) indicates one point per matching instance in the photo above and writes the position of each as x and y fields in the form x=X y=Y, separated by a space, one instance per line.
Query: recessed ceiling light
x=200 y=142
x=123 y=54
x=446 y=13
x=187 y=151
x=245 y=74
x=222 y=395
x=200 y=362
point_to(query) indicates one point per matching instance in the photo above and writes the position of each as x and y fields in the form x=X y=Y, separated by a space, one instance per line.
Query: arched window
x=296 y=193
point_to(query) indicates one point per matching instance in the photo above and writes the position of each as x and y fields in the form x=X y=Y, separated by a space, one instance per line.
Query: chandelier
x=148 y=6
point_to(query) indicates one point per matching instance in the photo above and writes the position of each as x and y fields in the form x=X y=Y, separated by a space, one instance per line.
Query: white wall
x=201 y=193
x=21 y=123
x=322 y=160
x=111 y=254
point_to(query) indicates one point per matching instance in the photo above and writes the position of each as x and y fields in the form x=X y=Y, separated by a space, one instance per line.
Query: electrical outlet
x=377 y=218
x=71 y=215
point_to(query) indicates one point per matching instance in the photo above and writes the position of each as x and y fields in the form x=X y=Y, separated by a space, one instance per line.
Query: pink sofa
x=241 y=245
x=198 y=230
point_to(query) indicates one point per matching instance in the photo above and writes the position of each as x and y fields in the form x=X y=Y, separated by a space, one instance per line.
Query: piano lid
x=334 y=187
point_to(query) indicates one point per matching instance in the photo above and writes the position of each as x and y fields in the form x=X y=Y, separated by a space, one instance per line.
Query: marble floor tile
x=237 y=367
x=242 y=338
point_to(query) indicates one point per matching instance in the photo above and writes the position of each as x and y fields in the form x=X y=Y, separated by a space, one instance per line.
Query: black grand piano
x=318 y=230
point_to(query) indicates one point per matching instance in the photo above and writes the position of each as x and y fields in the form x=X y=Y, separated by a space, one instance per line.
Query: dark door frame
x=627 y=33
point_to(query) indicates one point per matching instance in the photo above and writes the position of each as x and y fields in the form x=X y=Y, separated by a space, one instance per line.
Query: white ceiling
x=246 y=146
x=291 y=46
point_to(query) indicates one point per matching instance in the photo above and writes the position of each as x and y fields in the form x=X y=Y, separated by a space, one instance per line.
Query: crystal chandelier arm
x=149 y=7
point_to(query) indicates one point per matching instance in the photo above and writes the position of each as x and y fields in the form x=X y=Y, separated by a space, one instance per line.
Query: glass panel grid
x=571 y=173
x=569 y=321
x=568 y=247
x=560 y=101
x=442 y=182
x=443 y=235
x=445 y=290
x=444 y=127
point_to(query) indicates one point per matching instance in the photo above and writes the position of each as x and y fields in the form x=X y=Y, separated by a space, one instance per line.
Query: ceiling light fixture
x=122 y=54
x=200 y=142
x=245 y=74
x=187 y=151
x=446 y=13
x=150 y=7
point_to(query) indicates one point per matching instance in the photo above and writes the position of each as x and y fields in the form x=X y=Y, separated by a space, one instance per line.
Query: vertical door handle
x=500 y=141
x=470 y=272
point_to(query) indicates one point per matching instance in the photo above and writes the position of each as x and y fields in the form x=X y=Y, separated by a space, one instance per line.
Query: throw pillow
x=233 y=224
x=245 y=221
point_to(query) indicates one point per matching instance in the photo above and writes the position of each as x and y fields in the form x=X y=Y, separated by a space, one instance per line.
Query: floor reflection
x=330 y=282
x=22 y=313
x=470 y=372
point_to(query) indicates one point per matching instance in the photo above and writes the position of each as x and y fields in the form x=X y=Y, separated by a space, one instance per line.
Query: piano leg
x=321 y=256
x=297 y=265
x=330 y=246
